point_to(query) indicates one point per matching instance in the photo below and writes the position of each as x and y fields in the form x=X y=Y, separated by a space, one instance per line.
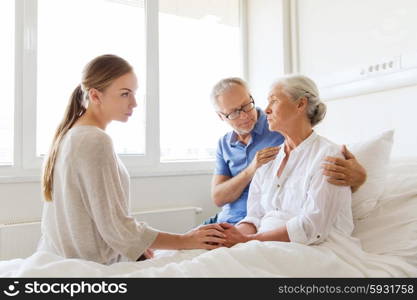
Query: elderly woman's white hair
x=296 y=86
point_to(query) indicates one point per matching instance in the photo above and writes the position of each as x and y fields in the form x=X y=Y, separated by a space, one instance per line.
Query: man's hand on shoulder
x=264 y=156
x=347 y=172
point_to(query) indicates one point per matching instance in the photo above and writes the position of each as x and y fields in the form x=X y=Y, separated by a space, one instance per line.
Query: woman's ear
x=95 y=96
x=302 y=104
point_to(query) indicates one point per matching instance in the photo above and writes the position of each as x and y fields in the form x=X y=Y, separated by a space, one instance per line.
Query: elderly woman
x=290 y=200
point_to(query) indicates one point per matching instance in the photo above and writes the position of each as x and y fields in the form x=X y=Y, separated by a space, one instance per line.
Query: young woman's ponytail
x=74 y=110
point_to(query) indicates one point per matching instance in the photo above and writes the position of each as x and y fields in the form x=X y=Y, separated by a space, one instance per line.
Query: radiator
x=175 y=220
x=19 y=240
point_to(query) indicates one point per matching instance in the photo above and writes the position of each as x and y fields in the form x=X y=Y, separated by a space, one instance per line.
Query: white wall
x=356 y=118
x=333 y=36
x=336 y=34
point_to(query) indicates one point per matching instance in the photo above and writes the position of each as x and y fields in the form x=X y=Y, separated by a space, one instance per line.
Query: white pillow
x=401 y=177
x=374 y=155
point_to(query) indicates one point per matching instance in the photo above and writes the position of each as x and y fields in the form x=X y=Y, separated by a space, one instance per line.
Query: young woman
x=86 y=186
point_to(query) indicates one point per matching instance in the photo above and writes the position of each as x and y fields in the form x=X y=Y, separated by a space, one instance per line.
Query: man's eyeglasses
x=245 y=108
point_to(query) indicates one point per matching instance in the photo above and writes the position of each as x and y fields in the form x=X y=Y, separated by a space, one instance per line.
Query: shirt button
x=278 y=185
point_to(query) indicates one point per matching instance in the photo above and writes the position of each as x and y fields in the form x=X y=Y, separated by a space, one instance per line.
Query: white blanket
x=253 y=259
x=390 y=233
x=385 y=245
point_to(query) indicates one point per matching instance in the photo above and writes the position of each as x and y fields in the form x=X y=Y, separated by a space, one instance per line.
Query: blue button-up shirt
x=232 y=157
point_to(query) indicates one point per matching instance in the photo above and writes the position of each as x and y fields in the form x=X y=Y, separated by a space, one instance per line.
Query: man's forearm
x=231 y=189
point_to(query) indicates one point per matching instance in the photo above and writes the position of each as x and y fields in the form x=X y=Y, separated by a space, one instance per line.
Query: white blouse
x=301 y=198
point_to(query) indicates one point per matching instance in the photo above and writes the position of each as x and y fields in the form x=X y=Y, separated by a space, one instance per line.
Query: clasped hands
x=229 y=235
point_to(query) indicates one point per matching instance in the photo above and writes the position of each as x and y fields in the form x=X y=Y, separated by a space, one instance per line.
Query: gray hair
x=224 y=85
x=297 y=86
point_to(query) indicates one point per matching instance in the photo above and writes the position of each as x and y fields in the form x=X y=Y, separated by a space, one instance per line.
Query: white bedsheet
x=391 y=229
x=270 y=259
x=338 y=257
x=384 y=245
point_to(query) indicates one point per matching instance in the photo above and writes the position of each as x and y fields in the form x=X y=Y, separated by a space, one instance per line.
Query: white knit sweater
x=88 y=216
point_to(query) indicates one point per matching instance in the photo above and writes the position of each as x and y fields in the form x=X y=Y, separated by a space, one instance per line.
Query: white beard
x=244 y=132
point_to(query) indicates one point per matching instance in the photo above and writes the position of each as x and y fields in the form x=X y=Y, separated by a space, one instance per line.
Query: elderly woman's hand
x=347 y=172
x=233 y=235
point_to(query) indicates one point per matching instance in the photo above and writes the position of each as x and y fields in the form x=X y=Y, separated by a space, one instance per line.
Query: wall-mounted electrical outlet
x=382 y=67
x=383 y=74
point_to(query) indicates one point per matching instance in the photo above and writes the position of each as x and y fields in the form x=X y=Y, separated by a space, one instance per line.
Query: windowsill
x=32 y=178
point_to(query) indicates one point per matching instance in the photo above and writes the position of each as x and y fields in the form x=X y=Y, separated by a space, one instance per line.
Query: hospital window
x=72 y=32
x=199 y=44
x=7 y=31
x=178 y=48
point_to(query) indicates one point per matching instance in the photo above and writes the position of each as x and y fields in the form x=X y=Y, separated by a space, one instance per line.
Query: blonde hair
x=99 y=73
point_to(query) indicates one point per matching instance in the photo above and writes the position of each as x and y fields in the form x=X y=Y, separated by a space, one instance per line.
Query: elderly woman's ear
x=303 y=104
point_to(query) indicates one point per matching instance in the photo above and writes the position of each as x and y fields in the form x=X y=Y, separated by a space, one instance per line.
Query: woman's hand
x=204 y=237
x=148 y=254
x=233 y=235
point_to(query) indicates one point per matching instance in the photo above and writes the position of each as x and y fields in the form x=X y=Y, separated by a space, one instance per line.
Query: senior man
x=250 y=145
